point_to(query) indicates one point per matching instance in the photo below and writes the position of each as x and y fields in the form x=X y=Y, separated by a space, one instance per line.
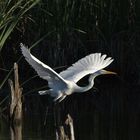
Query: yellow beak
x=110 y=72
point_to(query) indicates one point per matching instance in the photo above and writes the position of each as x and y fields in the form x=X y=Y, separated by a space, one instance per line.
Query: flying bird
x=65 y=83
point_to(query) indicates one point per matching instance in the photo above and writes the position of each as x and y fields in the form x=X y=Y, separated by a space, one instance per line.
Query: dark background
x=60 y=33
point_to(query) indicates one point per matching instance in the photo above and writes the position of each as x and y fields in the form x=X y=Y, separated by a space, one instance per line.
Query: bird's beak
x=110 y=72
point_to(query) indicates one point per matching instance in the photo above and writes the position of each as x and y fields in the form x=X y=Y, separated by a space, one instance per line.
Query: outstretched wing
x=44 y=71
x=87 y=65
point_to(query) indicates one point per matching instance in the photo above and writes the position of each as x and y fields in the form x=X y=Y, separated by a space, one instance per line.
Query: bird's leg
x=62 y=98
x=58 y=97
x=44 y=92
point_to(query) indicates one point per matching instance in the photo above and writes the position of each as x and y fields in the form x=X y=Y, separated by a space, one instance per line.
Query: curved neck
x=89 y=86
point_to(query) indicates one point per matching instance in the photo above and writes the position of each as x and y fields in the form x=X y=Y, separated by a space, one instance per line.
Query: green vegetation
x=10 y=14
x=71 y=29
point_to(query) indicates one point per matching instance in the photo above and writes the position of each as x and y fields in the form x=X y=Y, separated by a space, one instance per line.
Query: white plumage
x=87 y=65
x=64 y=83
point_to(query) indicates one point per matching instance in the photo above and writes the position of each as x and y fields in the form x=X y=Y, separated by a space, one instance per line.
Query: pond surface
x=29 y=130
x=113 y=113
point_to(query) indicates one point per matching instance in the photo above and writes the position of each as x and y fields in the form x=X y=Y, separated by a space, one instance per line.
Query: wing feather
x=44 y=71
x=87 y=65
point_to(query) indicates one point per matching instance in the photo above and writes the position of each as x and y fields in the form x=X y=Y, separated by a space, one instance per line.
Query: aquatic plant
x=11 y=12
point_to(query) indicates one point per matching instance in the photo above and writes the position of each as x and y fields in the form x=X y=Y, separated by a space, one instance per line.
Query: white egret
x=64 y=83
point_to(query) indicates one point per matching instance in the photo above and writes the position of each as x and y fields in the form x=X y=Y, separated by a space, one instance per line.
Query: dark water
x=30 y=130
x=111 y=113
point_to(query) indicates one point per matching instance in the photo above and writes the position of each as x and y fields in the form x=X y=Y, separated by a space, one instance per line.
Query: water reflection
x=111 y=114
x=16 y=131
x=30 y=129
x=4 y=129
